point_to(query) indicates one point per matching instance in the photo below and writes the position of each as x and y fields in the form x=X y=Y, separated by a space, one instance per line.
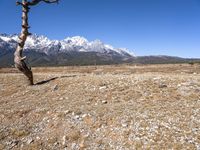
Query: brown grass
x=101 y=107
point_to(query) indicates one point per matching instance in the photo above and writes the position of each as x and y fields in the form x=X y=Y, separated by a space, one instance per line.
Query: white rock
x=77 y=117
x=64 y=140
x=29 y=141
x=84 y=115
x=74 y=146
x=67 y=112
x=124 y=125
x=61 y=98
x=104 y=102
x=102 y=87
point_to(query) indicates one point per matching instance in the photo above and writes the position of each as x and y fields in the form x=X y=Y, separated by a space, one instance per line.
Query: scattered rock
x=29 y=141
x=124 y=125
x=64 y=141
x=14 y=143
x=55 y=88
x=104 y=102
x=127 y=111
x=77 y=117
x=74 y=146
x=102 y=87
x=179 y=85
x=67 y=112
x=56 y=144
x=84 y=115
x=78 y=113
x=163 y=86
x=156 y=78
x=61 y=98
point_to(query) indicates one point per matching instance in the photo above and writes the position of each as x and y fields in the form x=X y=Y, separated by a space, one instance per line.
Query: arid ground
x=123 y=107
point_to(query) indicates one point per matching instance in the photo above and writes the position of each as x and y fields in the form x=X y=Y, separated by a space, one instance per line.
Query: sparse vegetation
x=191 y=63
x=101 y=107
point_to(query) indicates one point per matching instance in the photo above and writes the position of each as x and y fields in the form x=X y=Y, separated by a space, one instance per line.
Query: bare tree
x=19 y=59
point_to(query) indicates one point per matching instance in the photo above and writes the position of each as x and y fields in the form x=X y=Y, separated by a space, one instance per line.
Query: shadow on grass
x=52 y=79
x=46 y=81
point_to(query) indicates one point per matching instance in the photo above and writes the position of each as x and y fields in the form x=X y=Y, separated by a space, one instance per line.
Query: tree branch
x=35 y=2
x=18 y=3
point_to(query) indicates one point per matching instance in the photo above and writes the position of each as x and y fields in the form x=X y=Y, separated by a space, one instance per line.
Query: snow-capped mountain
x=77 y=50
x=51 y=47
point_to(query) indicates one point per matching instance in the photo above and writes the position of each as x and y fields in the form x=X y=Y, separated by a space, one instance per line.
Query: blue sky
x=147 y=27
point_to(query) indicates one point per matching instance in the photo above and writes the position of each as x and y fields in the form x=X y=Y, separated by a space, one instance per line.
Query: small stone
x=88 y=102
x=102 y=87
x=55 y=88
x=29 y=141
x=77 y=117
x=162 y=86
x=124 y=125
x=84 y=115
x=195 y=129
x=157 y=78
x=64 y=140
x=104 y=102
x=56 y=144
x=179 y=85
x=67 y=112
x=74 y=146
x=78 y=113
x=14 y=143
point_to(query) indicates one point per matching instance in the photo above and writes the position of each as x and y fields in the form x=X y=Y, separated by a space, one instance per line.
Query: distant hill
x=163 y=60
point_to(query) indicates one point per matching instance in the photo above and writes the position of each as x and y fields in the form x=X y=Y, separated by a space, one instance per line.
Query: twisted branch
x=35 y=2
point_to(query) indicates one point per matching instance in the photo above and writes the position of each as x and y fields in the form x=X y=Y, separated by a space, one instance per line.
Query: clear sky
x=146 y=27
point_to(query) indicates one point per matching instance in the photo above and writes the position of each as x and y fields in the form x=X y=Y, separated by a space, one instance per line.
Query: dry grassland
x=101 y=108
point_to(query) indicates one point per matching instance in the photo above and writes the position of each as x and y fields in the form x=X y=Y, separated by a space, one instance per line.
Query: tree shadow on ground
x=52 y=79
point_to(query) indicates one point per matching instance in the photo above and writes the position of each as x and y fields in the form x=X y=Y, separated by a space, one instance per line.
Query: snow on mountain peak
x=7 y=39
x=126 y=50
x=76 y=40
x=77 y=43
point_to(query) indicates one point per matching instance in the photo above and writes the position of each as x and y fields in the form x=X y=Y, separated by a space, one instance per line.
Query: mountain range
x=77 y=50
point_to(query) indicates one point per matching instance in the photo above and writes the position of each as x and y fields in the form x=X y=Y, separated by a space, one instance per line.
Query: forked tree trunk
x=18 y=58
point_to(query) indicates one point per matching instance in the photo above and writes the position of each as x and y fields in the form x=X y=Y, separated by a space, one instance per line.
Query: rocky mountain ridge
x=70 y=44
x=77 y=50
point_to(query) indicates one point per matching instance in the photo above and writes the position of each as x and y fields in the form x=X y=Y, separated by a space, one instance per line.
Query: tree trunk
x=18 y=57
x=19 y=60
